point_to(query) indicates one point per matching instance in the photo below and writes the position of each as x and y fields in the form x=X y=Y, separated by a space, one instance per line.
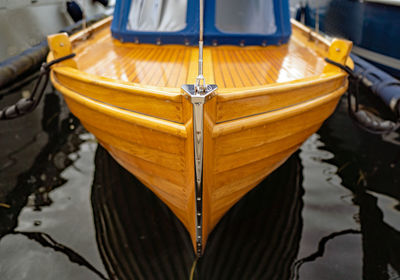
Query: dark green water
x=69 y=211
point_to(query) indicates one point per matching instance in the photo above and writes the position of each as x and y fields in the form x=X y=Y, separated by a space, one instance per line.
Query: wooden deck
x=172 y=65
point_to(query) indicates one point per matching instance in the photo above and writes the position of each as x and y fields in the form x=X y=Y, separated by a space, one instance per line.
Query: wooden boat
x=200 y=148
x=362 y=22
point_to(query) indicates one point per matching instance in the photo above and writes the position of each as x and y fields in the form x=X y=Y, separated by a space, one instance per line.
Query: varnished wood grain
x=170 y=65
x=256 y=101
x=158 y=152
x=269 y=100
x=61 y=46
x=240 y=153
x=151 y=101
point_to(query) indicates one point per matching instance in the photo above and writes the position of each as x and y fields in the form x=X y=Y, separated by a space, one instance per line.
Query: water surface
x=69 y=211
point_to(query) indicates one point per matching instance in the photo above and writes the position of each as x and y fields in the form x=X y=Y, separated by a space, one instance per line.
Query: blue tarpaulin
x=278 y=19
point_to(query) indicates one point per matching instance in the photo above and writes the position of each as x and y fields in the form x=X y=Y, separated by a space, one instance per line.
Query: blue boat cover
x=226 y=22
x=381 y=84
x=373 y=27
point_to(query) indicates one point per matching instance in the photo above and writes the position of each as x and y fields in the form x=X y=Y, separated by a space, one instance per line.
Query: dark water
x=69 y=211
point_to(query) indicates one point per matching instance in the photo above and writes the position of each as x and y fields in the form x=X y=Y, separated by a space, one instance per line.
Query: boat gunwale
x=224 y=94
x=84 y=33
x=232 y=126
x=135 y=88
x=140 y=119
x=313 y=36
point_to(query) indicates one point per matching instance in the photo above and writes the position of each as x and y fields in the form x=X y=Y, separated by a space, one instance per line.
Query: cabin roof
x=226 y=22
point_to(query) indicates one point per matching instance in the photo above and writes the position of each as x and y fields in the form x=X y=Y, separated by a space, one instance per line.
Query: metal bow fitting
x=198 y=94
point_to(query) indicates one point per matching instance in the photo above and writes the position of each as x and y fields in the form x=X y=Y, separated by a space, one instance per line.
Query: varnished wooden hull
x=250 y=127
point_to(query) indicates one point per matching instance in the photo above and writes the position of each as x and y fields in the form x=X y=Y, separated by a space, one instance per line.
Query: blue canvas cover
x=226 y=22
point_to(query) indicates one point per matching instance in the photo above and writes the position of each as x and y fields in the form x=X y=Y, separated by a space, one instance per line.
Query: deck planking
x=169 y=65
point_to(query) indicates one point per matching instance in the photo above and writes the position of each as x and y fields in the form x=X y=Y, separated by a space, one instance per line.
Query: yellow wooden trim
x=145 y=90
x=310 y=33
x=226 y=128
x=132 y=117
x=248 y=105
x=234 y=94
x=311 y=39
x=128 y=100
x=350 y=63
x=60 y=46
x=84 y=33
x=339 y=51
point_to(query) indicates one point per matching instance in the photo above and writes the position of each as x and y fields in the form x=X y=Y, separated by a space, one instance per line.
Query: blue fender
x=383 y=85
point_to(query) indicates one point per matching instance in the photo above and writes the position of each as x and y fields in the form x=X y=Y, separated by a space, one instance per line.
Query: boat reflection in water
x=140 y=238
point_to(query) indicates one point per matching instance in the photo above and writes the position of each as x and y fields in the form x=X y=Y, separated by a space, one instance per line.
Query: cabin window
x=245 y=16
x=157 y=15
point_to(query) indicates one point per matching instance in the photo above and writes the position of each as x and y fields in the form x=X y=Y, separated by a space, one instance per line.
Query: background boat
x=373 y=26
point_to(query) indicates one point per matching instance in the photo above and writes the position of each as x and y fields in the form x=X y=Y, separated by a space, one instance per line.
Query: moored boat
x=372 y=25
x=141 y=90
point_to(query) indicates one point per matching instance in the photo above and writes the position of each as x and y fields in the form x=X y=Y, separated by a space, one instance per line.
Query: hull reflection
x=140 y=238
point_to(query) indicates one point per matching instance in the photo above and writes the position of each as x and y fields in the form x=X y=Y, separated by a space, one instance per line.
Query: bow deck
x=174 y=65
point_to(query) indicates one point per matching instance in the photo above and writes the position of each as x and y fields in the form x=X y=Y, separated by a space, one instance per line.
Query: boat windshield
x=157 y=15
x=247 y=17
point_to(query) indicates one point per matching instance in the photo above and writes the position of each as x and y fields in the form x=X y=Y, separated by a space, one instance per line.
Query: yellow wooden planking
x=173 y=177
x=247 y=156
x=269 y=100
x=60 y=46
x=174 y=65
x=238 y=182
x=154 y=133
x=273 y=99
x=269 y=128
x=125 y=98
x=168 y=192
x=173 y=162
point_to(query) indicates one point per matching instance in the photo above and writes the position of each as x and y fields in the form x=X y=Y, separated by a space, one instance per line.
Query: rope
x=27 y=105
x=193 y=268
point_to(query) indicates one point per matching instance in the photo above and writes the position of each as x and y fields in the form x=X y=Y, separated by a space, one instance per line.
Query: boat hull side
x=160 y=103
x=158 y=152
x=240 y=153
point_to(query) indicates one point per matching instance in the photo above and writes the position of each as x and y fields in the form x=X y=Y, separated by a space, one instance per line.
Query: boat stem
x=199 y=94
